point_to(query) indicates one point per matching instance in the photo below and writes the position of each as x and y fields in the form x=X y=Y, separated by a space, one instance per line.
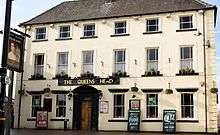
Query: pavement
x=77 y=132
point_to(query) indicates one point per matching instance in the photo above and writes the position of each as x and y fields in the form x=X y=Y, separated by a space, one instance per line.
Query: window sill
x=118 y=120
x=40 y=40
x=187 y=74
x=119 y=35
x=36 y=78
x=88 y=37
x=60 y=39
x=56 y=78
x=184 y=30
x=59 y=119
x=152 y=120
x=159 y=75
x=188 y=121
x=153 y=32
x=32 y=119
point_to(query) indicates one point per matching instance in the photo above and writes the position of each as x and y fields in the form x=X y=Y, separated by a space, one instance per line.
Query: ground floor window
x=61 y=105
x=119 y=105
x=152 y=106
x=36 y=105
x=187 y=106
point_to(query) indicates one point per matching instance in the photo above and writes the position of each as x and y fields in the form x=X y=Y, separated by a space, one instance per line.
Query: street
x=75 y=132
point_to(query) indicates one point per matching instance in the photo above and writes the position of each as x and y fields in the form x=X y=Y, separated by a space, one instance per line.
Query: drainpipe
x=205 y=79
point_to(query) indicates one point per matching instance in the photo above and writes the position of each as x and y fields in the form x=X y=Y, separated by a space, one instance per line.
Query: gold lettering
x=102 y=81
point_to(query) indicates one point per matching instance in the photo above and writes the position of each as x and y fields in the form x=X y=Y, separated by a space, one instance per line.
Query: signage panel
x=133 y=120
x=169 y=121
x=42 y=119
x=90 y=81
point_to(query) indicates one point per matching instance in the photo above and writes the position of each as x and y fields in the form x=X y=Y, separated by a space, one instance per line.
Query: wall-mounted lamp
x=135 y=61
x=51 y=25
x=100 y=94
x=208 y=44
x=102 y=63
x=74 y=64
x=169 y=90
x=76 y=23
x=198 y=33
x=48 y=65
x=135 y=88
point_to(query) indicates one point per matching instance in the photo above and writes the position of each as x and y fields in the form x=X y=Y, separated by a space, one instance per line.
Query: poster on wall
x=103 y=106
x=42 y=119
x=134 y=104
x=169 y=121
x=15 y=52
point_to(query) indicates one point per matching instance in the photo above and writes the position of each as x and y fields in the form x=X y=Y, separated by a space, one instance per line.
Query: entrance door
x=48 y=104
x=86 y=112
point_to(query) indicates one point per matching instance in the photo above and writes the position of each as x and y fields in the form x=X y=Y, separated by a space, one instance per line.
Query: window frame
x=182 y=23
x=87 y=64
x=194 y=106
x=67 y=65
x=39 y=106
x=115 y=60
x=149 y=61
x=123 y=106
x=186 y=59
x=157 y=26
x=157 y=106
x=61 y=32
x=125 y=28
x=86 y=30
x=37 y=34
x=58 y=106
x=39 y=66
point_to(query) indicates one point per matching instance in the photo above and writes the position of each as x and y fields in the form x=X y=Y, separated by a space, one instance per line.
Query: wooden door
x=86 y=111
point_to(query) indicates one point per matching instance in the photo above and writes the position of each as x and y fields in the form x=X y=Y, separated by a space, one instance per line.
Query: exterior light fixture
x=169 y=90
x=135 y=88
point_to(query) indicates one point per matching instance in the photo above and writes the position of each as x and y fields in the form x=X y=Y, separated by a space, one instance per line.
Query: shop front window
x=36 y=105
x=61 y=105
x=187 y=106
x=119 y=106
x=152 y=105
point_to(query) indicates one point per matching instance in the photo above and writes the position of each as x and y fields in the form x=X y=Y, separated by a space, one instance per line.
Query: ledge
x=31 y=119
x=188 y=121
x=59 y=92
x=117 y=120
x=185 y=30
x=89 y=37
x=118 y=90
x=33 y=79
x=57 y=119
x=119 y=35
x=56 y=78
x=187 y=74
x=42 y=40
x=60 y=39
x=152 y=121
x=187 y=89
x=151 y=90
x=153 y=32
x=35 y=92
x=152 y=75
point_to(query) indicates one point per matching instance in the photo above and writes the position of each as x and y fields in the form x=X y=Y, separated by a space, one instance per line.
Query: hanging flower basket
x=169 y=91
x=134 y=89
x=214 y=90
x=21 y=92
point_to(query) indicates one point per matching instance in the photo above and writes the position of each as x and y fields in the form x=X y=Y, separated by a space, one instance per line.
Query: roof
x=96 y=9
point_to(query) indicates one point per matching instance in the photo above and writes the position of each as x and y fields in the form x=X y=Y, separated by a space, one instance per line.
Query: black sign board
x=15 y=52
x=169 y=121
x=133 y=120
x=92 y=81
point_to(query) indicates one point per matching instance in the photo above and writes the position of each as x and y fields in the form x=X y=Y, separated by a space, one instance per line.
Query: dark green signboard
x=169 y=121
x=133 y=120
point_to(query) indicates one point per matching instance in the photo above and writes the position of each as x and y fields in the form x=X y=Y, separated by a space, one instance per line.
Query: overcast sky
x=23 y=10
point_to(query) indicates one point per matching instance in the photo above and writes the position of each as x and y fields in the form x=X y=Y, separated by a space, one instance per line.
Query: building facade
x=89 y=62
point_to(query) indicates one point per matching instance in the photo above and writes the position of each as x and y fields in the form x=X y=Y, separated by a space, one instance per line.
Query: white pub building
x=88 y=62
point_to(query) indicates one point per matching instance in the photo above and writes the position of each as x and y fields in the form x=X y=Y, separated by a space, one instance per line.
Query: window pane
x=40 y=33
x=120 y=27
x=152 y=25
x=186 y=22
x=89 y=30
x=152 y=106
x=118 y=106
x=36 y=105
x=88 y=62
x=120 y=56
x=187 y=105
x=61 y=105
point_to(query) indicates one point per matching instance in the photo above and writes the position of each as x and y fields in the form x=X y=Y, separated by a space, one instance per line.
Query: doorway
x=85 y=108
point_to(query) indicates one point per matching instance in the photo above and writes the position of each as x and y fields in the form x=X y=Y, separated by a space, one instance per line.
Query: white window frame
x=85 y=64
x=68 y=32
x=152 y=105
x=188 y=59
x=34 y=95
x=123 y=94
x=61 y=106
x=45 y=34
x=115 y=62
x=125 y=27
x=39 y=66
x=149 y=61
x=190 y=22
x=58 y=54
x=194 y=105
x=158 y=24
x=93 y=30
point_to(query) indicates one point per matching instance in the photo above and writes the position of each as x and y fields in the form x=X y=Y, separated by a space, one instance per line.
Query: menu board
x=42 y=119
x=103 y=106
x=133 y=120
x=169 y=121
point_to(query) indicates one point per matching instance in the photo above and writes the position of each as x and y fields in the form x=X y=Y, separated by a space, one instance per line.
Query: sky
x=23 y=10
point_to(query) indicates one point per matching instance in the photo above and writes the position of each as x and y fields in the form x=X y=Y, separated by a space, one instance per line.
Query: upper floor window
x=152 y=59
x=120 y=27
x=187 y=106
x=61 y=105
x=36 y=105
x=87 y=61
x=41 y=33
x=64 y=31
x=152 y=25
x=152 y=106
x=89 y=30
x=119 y=106
x=186 y=22
x=186 y=58
x=120 y=61
x=62 y=66
x=39 y=64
